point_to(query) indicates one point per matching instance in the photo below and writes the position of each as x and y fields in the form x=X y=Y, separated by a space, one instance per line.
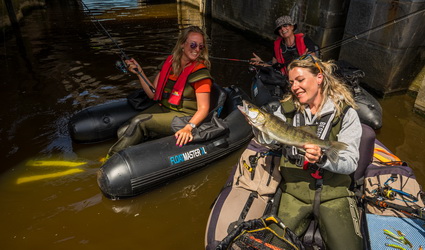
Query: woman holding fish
x=319 y=133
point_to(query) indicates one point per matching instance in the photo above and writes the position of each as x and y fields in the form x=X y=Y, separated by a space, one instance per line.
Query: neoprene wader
x=314 y=197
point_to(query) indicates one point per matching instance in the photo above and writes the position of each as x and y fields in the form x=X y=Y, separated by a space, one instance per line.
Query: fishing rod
x=322 y=50
x=121 y=65
x=211 y=57
x=367 y=32
x=336 y=44
x=413 y=212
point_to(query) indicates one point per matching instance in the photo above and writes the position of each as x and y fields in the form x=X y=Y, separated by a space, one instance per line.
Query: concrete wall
x=420 y=99
x=392 y=56
x=20 y=7
x=251 y=15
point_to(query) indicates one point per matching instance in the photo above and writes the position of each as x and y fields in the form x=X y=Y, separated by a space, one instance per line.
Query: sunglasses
x=194 y=45
x=304 y=57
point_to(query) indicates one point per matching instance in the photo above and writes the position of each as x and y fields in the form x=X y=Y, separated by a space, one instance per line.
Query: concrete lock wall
x=19 y=7
x=392 y=56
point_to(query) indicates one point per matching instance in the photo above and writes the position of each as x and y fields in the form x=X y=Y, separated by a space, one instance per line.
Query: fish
x=277 y=129
x=395 y=246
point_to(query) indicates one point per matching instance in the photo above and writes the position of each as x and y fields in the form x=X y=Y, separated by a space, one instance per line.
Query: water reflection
x=75 y=66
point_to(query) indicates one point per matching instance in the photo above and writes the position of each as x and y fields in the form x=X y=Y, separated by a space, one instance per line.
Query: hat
x=284 y=20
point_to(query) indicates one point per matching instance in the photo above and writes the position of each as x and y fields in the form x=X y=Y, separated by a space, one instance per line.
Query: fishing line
x=211 y=57
x=325 y=49
x=367 y=32
x=332 y=46
x=119 y=64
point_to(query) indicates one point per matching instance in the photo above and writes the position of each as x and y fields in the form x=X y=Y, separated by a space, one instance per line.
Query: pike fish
x=276 y=129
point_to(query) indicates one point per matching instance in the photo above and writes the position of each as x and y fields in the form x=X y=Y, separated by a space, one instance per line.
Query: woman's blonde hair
x=332 y=86
x=178 y=50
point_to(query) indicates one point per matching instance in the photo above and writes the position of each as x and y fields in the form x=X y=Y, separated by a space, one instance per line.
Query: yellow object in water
x=46 y=176
x=56 y=163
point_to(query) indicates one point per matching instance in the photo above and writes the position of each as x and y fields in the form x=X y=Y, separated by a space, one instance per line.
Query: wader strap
x=272 y=207
x=312 y=236
x=272 y=166
x=244 y=212
x=324 y=127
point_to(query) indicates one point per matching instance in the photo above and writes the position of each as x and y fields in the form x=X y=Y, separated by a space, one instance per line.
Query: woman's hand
x=133 y=66
x=184 y=136
x=257 y=61
x=312 y=153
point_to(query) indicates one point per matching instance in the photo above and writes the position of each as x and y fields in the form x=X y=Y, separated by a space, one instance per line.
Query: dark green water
x=64 y=64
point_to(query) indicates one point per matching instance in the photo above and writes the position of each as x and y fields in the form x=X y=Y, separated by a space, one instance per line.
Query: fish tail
x=333 y=151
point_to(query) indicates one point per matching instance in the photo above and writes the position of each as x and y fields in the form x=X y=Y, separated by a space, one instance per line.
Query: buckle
x=319 y=183
x=299 y=160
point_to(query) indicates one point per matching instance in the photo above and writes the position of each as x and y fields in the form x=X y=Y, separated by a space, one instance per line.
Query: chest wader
x=155 y=121
x=317 y=203
x=248 y=194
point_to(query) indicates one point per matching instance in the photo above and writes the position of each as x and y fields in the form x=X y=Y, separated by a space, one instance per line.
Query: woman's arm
x=184 y=135
x=135 y=68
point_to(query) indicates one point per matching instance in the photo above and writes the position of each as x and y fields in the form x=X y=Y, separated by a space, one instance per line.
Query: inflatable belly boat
x=139 y=168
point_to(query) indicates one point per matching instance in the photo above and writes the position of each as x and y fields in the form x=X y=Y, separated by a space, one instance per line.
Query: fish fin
x=266 y=138
x=308 y=130
x=333 y=151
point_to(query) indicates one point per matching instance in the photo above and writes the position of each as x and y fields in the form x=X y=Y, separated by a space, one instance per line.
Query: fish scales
x=280 y=131
x=293 y=136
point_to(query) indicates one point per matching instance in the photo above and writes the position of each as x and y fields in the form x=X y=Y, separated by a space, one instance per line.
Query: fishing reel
x=120 y=65
x=388 y=193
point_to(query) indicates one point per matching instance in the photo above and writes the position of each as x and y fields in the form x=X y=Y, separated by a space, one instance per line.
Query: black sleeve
x=311 y=46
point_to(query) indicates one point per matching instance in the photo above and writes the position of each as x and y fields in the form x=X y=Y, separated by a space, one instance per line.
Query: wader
x=317 y=198
x=154 y=121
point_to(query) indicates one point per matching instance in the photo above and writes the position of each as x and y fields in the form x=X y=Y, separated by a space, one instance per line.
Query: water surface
x=64 y=63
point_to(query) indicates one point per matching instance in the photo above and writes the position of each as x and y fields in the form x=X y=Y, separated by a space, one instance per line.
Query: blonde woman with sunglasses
x=316 y=190
x=181 y=88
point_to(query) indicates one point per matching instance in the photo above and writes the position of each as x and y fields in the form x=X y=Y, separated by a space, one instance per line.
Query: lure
x=395 y=246
x=403 y=237
x=395 y=240
x=399 y=238
x=392 y=235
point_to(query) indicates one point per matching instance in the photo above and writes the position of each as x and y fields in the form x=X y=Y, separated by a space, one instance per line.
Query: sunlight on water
x=129 y=10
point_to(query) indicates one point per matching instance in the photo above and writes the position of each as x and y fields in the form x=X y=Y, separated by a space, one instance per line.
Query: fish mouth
x=243 y=108
x=248 y=110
